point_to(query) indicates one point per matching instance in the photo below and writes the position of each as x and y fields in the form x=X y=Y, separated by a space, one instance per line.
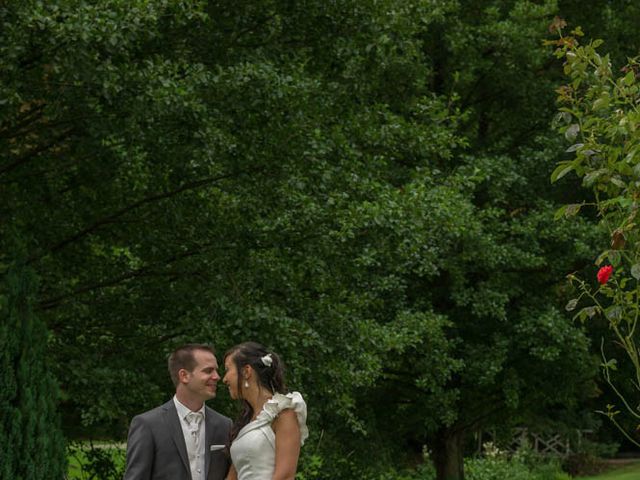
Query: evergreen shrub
x=31 y=442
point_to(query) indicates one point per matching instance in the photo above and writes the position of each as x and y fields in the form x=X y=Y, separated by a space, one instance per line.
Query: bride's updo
x=267 y=365
x=269 y=371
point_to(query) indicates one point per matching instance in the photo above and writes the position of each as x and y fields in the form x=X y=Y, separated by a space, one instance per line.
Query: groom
x=182 y=439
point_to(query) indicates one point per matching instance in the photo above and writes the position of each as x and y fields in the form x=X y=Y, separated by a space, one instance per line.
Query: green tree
x=353 y=183
x=183 y=192
x=30 y=435
x=509 y=343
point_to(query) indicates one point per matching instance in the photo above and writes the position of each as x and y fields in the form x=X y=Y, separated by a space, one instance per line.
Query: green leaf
x=618 y=182
x=571 y=305
x=614 y=312
x=562 y=118
x=635 y=271
x=610 y=364
x=571 y=133
x=602 y=102
x=586 y=312
x=629 y=78
x=601 y=257
x=630 y=155
x=560 y=171
x=614 y=257
x=574 y=147
x=572 y=209
x=559 y=213
x=591 y=177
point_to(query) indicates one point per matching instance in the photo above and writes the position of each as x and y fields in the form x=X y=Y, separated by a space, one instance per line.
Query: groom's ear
x=183 y=376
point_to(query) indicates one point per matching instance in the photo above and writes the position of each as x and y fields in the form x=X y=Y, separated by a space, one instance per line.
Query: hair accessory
x=267 y=360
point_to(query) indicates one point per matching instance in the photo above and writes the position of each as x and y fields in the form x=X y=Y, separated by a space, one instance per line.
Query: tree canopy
x=361 y=186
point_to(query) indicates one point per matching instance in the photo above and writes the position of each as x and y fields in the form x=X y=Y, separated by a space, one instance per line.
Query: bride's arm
x=232 y=475
x=287 y=433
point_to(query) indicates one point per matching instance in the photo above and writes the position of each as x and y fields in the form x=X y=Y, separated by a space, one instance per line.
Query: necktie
x=194 y=419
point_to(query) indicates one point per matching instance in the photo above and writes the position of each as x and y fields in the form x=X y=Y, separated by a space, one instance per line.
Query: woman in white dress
x=267 y=436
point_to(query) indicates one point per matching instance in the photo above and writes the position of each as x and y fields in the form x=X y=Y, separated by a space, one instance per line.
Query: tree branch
x=34 y=152
x=23 y=120
x=139 y=272
x=129 y=208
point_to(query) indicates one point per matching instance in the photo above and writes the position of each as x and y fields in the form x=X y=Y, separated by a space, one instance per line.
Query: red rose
x=604 y=273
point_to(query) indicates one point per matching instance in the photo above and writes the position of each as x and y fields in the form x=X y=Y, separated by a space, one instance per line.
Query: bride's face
x=231 y=376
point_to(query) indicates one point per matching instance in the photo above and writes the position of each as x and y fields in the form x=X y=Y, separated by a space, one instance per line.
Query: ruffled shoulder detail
x=290 y=401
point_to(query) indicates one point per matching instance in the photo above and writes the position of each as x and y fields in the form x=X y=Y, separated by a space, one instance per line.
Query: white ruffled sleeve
x=292 y=401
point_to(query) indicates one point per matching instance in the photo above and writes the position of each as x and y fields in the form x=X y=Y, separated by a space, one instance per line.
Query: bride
x=266 y=438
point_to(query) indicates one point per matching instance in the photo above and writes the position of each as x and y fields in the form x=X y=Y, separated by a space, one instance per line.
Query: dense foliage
x=494 y=465
x=362 y=186
x=30 y=436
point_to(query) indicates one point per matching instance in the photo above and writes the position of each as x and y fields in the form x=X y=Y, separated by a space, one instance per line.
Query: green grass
x=629 y=472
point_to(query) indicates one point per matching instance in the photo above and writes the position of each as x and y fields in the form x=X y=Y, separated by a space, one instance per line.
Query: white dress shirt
x=195 y=441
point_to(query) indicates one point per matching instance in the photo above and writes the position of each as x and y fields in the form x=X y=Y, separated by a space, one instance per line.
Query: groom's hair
x=182 y=357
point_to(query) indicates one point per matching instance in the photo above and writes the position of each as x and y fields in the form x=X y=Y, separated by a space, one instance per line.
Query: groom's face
x=203 y=379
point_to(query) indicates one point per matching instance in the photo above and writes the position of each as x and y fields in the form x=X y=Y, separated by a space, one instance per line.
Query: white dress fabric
x=253 y=451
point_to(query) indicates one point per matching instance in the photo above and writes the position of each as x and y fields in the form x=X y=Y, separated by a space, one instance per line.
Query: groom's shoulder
x=217 y=417
x=154 y=412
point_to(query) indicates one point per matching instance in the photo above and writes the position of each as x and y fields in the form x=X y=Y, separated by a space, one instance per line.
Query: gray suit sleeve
x=140 y=450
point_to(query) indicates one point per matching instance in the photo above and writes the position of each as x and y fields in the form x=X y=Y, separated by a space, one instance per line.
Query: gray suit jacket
x=156 y=449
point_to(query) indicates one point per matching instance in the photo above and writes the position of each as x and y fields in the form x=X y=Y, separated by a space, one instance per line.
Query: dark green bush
x=583 y=464
x=522 y=466
x=30 y=437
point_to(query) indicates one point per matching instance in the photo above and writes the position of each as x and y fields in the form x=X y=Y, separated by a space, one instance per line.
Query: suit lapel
x=208 y=433
x=173 y=422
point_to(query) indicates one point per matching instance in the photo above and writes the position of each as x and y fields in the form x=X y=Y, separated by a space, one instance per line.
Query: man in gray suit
x=182 y=439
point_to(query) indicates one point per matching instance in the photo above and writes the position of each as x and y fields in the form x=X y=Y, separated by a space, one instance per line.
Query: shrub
x=30 y=437
x=583 y=464
x=93 y=461
x=498 y=467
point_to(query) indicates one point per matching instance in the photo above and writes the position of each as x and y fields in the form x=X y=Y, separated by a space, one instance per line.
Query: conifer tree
x=31 y=441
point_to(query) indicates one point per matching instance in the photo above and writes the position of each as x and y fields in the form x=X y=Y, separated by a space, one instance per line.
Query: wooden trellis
x=547 y=444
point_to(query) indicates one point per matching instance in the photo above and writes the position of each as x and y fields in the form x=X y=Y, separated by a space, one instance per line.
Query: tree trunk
x=448 y=455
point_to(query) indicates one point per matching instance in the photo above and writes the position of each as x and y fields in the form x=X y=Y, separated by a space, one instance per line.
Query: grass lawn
x=629 y=472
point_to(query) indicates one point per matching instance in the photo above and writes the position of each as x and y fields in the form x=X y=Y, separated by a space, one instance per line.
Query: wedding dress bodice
x=253 y=451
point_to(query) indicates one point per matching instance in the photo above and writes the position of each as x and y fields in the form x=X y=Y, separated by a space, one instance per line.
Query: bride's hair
x=269 y=371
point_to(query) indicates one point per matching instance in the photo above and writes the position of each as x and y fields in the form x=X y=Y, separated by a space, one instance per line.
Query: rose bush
x=600 y=118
